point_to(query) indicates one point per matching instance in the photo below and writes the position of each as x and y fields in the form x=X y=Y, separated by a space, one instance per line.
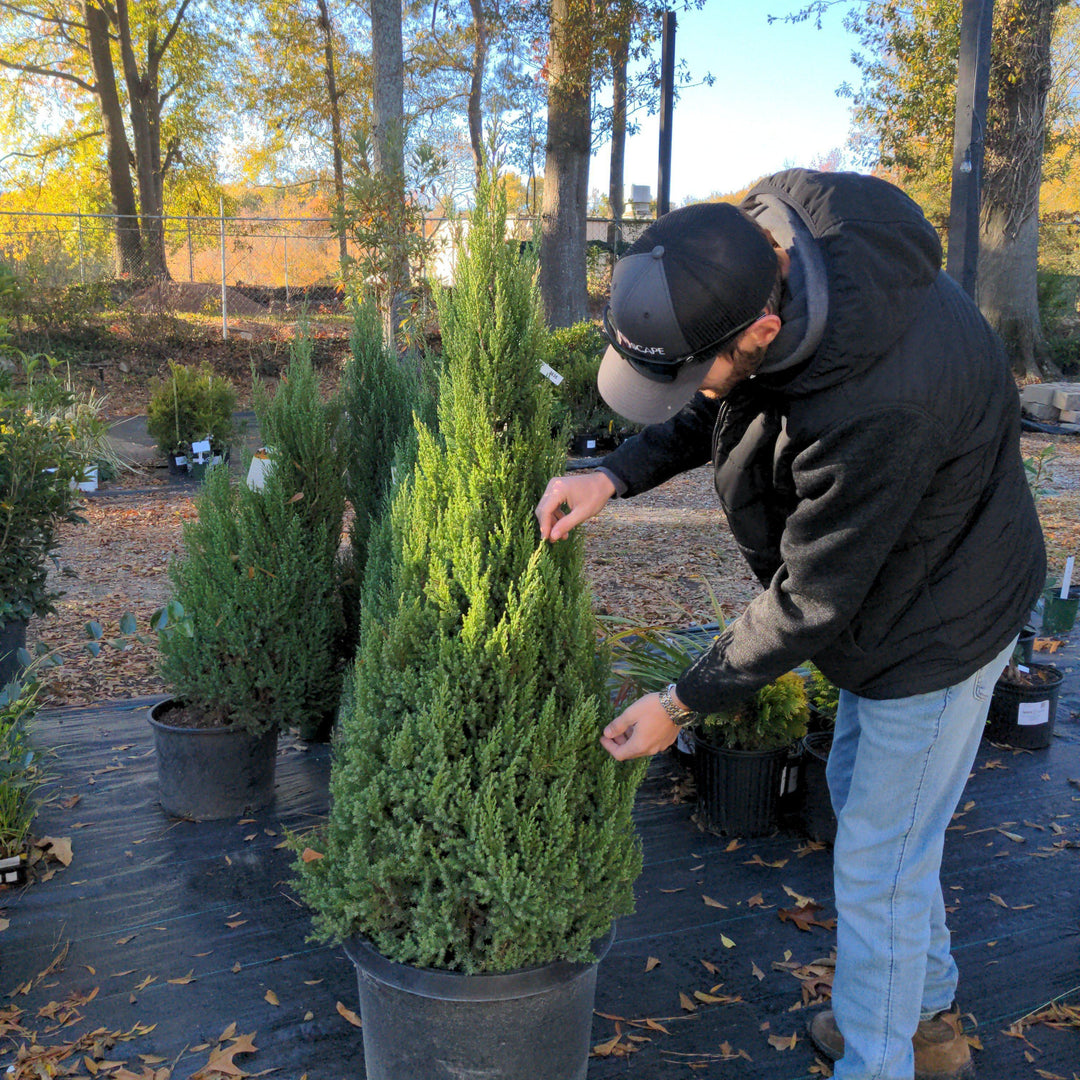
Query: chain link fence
x=243 y=266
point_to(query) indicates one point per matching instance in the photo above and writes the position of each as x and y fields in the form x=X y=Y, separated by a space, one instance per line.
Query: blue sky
x=773 y=103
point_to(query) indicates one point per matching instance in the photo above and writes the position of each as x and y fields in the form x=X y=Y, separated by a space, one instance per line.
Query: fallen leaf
x=183 y=980
x=686 y=1003
x=59 y=847
x=235 y=968
x=726 y=942
x=799 y=899
x=757 y=860
x=784 y=1042
x=734 y=845
x=756 y=971
x=310 y=854
x=712 y=969
x=235 y=923
x=228 y=1033
x=271 y=997
x=651 y=963
x=125 y=940
x=757 y=900
x=997 y=900
x=710 y=902
x=349 y=1015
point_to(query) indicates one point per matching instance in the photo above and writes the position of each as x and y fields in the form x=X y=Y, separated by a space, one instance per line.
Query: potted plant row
x=250 y=641
x=742 y=759
x=480 y=841
x=188 y=409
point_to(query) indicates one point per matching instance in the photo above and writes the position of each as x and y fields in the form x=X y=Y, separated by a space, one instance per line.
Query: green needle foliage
x=257 y=584
x=476 y=824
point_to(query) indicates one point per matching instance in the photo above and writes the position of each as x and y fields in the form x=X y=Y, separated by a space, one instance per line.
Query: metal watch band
x=676 y=713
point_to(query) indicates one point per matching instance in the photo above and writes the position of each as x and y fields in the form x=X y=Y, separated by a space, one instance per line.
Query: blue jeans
x=896 y=772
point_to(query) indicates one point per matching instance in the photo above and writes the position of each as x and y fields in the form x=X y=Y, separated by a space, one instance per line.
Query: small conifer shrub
x=476 y=824
x=257 y=583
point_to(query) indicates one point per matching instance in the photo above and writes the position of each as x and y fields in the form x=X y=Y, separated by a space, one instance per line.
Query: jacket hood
x=879 y=257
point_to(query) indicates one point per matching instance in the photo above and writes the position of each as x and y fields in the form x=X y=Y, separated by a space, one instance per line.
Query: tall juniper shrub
x=257 y=581
x=476 y=825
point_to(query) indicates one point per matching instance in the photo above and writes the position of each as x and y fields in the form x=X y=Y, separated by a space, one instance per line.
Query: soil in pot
x=210 y=772
x=526 y=1025
x=1023 y=707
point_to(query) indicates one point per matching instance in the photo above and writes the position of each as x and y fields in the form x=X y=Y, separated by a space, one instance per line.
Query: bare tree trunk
x=388 y=107
x=128 y=241
x=335 y=123
x=566 y=176
x=1009 y=226
x=476 y=82
x=619 y=60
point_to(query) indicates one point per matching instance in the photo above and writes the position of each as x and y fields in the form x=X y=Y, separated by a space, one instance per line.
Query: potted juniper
x=248 y=643
x=479 y=842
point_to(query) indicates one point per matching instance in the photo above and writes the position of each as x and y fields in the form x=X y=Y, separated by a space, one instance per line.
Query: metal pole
x=224 y=305
x=190 y=254
x=286 y=239
x=972 y=84
x=667 y=101
x=82 y=271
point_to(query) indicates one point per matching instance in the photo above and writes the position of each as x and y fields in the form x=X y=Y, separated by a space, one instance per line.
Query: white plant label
x=550 y=373
x=1031 y=713
x=202 y=447
x=590 y=444
x=1066 y=580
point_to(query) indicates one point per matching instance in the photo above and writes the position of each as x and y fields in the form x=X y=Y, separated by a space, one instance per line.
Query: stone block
x=1038 y=394
x=1067 y=399
x=1037 y=411
x=1068 y=416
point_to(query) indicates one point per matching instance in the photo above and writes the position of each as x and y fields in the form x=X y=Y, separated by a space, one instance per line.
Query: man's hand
x=583 y=496
x=644 y=728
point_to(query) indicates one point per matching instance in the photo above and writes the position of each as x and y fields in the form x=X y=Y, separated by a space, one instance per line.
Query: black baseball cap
x=688 y=286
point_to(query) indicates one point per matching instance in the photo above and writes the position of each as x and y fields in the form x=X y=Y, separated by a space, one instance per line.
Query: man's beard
x=744 y=362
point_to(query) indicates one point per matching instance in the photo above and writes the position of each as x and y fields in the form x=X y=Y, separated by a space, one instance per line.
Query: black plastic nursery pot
x=209 y=773
x=533 y=1024
x=738 y=791
x=12 y=639
x=1059 y=616
x=816 y=809
x=1023 y=716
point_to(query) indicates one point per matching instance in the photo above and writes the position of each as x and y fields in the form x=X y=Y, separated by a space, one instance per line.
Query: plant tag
x=1032 y=713
x=1021 y=667
x=181 y=459
x=550 y=373
x=201 y=447
x=590 y=444
x=1066 y=579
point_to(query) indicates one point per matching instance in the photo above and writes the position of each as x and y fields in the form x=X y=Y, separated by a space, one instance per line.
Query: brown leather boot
x=941 y=1051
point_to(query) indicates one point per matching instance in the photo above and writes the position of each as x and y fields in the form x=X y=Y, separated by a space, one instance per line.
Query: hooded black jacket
x=870 y=471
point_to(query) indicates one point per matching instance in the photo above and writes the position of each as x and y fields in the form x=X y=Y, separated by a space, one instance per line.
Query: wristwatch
x=677 y=714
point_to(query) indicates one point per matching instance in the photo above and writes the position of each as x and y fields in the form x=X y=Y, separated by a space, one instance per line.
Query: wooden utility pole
x=972 y=85
x=667 y=102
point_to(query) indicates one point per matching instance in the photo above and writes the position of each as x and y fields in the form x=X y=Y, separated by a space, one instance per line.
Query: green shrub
x=189 y=405
x=41 y=454
x=476 y=824
x=775 y=716
x=21 y=771
x=575 y=353
x=648 y=658
x=258 y=585
x=306 y=438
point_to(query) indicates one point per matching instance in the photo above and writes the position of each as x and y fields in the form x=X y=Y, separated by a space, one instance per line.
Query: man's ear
x=759 y=335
